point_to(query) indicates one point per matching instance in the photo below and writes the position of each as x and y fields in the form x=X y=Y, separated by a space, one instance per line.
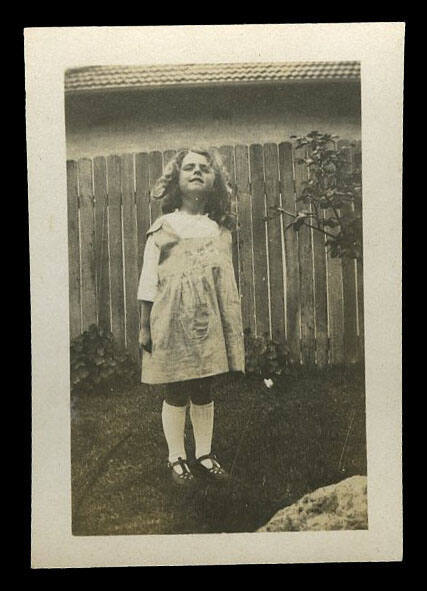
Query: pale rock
x=338 y=506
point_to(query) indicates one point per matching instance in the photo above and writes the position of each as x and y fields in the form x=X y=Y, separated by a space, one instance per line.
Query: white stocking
x=173 y=420
x=202 y=418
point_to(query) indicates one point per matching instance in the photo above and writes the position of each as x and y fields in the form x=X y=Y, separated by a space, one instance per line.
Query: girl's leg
x=173 y=420
x=202 y=417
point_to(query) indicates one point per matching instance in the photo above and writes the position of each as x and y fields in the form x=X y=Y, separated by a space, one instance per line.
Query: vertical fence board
x=116 y=255
x=360 y=309
x=167 y=157
x=130 y=255
x=349 y=284
x=260 y=252
x=87 y=239
x=357 y=155
x=320 y=294
x=271 y=167
x=227 y=157
x=320 y=299
x=305 y=252
x=291 y=254
x=73 y=250
x=101 y=243
x=350 y=318
x=335 y=300
x=357 y=164
x=335 y=311
x=245 y=238
x=155 y=168
x=142 y=188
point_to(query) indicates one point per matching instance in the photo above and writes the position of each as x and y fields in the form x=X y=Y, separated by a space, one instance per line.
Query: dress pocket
x=195 y=322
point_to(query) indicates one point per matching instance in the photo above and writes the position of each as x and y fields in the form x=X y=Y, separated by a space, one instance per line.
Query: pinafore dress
x=196 y=322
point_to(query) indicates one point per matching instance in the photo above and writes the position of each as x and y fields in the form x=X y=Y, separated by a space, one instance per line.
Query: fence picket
x=130 y=254
x=320 y=299
x=155 y=168
x=349 y=284
x=272 y=194
x=334 y=299
x=101 y=243
x=227 y=157
x=87 y=239
x=360 y=309
x=167 y=157
x=305 y=251
x=245 y=238
x=335 y=310
x=292 y=295
x=116 y=255
x=357 y=164
x=320 y=295
x=142 y=189
x=73 y=250
x=258 y=229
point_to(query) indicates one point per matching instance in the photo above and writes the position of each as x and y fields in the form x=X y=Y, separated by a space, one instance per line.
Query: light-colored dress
x=196 y=323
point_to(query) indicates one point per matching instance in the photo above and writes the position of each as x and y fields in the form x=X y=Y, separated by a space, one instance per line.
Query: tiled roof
x=112 y=77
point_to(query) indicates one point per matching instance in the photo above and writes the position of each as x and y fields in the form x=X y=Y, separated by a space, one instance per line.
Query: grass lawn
x=280 y=443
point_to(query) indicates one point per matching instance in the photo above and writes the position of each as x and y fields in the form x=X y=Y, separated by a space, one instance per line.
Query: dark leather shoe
x=216 y=472
x=186 y=477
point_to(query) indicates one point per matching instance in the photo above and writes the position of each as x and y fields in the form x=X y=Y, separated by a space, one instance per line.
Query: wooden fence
x=290 y=287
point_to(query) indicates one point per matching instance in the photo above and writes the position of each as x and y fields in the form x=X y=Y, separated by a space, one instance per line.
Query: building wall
x=136 y=121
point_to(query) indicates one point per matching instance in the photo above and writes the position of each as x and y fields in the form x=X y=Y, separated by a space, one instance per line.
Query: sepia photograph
x=216 y=298
x=215 y=288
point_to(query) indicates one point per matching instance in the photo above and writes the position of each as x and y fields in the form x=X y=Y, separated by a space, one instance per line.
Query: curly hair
x=218 y=204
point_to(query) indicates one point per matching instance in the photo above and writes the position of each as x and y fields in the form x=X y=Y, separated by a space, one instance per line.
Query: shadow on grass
x=305 y=432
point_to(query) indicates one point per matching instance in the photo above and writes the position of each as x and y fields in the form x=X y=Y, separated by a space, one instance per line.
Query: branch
x=281 y=210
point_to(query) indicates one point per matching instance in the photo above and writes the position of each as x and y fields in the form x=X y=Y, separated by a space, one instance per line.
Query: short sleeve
x=148 y=281
x=156 y=225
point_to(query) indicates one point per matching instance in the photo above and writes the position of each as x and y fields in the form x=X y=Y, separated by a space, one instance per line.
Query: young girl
x=191 y=326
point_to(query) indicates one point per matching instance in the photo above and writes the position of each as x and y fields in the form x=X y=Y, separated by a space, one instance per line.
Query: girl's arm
x=147 y=289
x=144 y=331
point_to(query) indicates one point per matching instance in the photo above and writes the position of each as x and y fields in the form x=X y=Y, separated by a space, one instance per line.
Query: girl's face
x=196 y=175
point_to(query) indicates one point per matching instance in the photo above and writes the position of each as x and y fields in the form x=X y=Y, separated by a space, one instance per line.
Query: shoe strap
x=183 y=463
x=211 y=457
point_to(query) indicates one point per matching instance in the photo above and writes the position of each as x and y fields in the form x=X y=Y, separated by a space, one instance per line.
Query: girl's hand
x=145 y=338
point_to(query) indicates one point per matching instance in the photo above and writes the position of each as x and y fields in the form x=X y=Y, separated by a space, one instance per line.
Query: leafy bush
x=264 y=357
x=98 y=363
x=334 y=189
x=332 y=195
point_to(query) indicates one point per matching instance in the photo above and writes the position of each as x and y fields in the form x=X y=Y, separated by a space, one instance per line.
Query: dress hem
x=195 y=377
